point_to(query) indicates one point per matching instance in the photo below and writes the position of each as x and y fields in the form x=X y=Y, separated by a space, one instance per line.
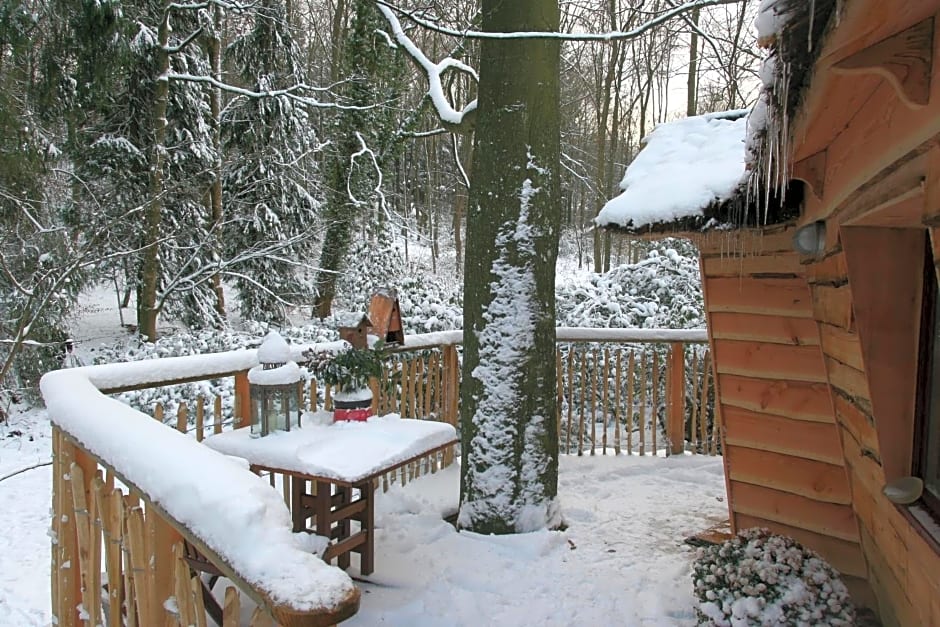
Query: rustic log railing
x=626 y=391
x=154 y=508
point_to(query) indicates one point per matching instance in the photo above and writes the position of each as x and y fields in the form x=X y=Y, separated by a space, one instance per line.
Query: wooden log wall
x=903 y=566
x=115 y=560
x=784 y=463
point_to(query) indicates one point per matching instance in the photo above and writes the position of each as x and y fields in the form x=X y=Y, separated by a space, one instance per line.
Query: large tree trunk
x=150 y=265
x=509 y=478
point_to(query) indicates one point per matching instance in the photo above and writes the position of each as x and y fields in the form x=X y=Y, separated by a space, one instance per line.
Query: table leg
x=297 y=487
x=321 y=501
x=367 y=554
x=344 y=525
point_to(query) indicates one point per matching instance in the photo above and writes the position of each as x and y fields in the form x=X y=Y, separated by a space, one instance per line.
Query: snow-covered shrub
x=664 y=290
x=428 y=303
x=758 y=578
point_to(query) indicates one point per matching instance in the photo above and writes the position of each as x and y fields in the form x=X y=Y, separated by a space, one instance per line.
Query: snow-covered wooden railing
x=129 y=492
x=628 y=390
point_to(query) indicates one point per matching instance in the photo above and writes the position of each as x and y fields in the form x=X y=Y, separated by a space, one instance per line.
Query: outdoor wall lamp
x=810 y=239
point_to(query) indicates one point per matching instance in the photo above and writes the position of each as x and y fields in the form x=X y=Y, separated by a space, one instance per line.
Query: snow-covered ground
x=621 y=561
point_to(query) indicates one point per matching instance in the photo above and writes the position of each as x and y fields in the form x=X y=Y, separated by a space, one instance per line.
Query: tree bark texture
x=150 y=265
x=509 y=478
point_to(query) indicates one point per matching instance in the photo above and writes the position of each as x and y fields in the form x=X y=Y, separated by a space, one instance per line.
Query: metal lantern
x=275 y=388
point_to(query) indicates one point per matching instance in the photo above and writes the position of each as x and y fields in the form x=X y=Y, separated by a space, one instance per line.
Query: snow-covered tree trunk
x=509 y=476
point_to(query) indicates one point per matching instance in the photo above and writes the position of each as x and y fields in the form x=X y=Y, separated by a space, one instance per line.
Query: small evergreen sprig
x=348 y=370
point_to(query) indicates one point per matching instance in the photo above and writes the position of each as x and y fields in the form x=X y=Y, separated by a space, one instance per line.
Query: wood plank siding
x=817 y=357
x=784 y=460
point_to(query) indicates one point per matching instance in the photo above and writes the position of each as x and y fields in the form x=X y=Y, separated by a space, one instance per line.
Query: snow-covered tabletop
x=342 y=452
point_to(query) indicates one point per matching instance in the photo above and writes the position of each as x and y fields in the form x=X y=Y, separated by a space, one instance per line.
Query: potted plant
x=349 y=372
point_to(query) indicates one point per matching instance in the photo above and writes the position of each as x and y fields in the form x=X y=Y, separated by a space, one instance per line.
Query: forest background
x=221 y=162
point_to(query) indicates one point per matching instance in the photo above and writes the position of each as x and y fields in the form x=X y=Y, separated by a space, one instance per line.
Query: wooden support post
x=242 y=400
x=200 y=417
x=675 y=420
x=182 y=418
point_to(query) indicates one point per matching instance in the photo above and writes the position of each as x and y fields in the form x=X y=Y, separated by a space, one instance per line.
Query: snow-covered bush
x=664 y=290
x=758 y=578
x=427 y=302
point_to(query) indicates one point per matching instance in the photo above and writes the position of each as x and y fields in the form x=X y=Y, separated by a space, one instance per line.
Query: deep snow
x=620 y=562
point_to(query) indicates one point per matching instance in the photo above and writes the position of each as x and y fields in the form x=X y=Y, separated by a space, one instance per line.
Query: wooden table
x=340 y=462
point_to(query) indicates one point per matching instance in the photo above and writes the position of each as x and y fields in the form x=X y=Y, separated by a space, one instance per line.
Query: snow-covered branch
x=449 y=115
x=294 y=92
x=634 y=33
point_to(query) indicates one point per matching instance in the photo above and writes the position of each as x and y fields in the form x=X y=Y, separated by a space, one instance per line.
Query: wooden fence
x=619 y=392
x=101 y=518
x=625 y=392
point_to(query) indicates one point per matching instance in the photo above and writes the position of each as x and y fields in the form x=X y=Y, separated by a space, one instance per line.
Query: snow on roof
x=684 y=167
x=350 y=318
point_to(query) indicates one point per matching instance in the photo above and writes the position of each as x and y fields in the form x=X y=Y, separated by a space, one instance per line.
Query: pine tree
x=268 y=177
x=144 y=154
x=364 y=141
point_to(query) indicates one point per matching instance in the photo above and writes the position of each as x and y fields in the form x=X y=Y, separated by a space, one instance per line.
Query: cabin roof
x=684 y=168
x=729 y=169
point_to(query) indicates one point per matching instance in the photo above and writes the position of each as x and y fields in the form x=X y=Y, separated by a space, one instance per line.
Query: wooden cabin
x=821 y=296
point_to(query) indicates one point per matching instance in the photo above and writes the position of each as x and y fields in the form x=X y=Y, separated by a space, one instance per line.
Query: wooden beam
x=799 y=438
x=812 y=171
x=832 y=304
x=885 y=271
x=769 y=329
x=807 y=477
x=723 y=264
x=798 y=400
x=769 y=361
x=837 y=521
x=675 y=424
x=905 y=59
x=765 y=296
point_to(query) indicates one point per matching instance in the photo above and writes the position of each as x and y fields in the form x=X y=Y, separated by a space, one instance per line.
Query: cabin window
x=926 y=453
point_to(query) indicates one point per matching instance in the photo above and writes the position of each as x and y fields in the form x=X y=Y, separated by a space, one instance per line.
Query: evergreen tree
x=42 y=266
x=144 y=153
x=364 y=140
x=267 y=180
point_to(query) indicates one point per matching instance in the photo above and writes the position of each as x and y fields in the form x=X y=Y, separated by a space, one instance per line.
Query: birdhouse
x=385 y=314
x=354 y=328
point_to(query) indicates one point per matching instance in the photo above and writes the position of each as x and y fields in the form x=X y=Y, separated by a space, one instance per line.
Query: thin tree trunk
x=692 y=84
x=150 y=265
x=215 y=190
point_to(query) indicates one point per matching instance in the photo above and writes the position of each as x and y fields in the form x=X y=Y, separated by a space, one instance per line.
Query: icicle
x=812 y=17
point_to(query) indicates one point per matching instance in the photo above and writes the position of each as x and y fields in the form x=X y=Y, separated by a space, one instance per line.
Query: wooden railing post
x=675 y=418
x=451 y=392
x=242 y=416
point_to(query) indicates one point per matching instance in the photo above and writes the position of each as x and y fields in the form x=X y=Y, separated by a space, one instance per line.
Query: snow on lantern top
x=274 y=350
